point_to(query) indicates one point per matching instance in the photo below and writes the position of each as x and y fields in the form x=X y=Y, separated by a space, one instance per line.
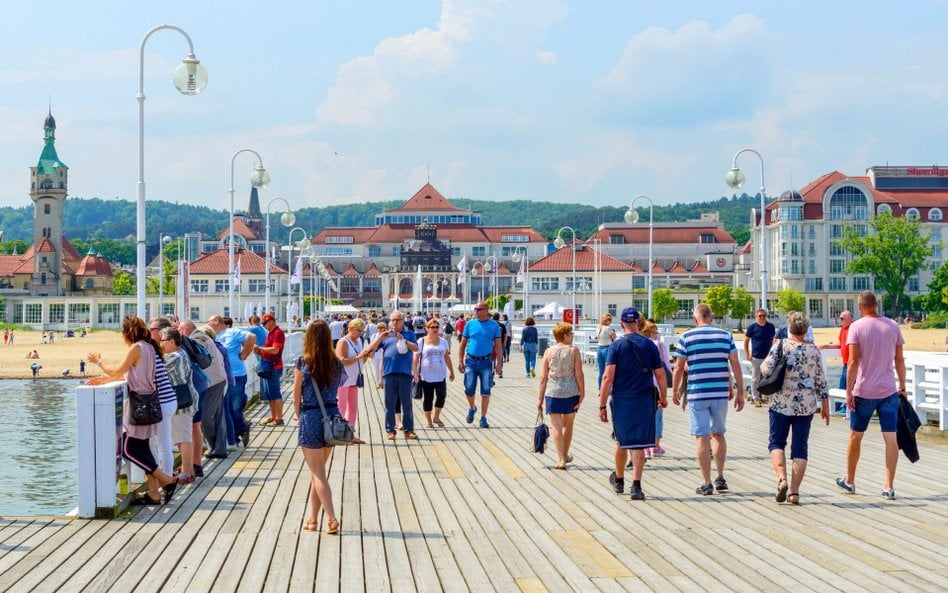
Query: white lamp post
x=190 y=78
x=559 y=243
x=491 y=266
x=301 y=245
x=735 y=178
x=258 y=178
x=632 y=217
x=161 y=273
x=287 y=219
x=526 y=277
x=480 y=286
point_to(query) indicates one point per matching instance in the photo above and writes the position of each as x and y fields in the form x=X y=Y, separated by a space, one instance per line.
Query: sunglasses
x=479 y=308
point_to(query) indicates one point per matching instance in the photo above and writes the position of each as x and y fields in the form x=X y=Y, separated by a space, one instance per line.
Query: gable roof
x=686 y=233
x=240 y=228
x=216 y=262
x=427 y=198
x=561 y=260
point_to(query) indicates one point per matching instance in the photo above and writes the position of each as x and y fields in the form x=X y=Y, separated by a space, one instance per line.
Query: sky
x=589 y=102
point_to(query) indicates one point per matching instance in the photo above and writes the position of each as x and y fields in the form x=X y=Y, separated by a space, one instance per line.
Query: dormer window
x=935 y=214
x=883 y=209
x=912 y=214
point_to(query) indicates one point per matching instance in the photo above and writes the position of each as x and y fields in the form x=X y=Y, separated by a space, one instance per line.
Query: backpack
x=196 y=352
x=419 y=324
x=448 y=328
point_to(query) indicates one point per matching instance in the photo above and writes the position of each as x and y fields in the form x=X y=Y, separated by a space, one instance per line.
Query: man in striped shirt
x=709 y=356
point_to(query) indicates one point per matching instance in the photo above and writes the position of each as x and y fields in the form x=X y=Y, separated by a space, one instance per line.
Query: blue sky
x=589 y=102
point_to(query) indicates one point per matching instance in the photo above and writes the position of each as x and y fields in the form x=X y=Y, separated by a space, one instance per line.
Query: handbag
x=143 y=408
x=541 y=432
x=336 y=431
x=417 y=393
x=360 y=380
x=183 y=393
x=265 y=370
x=773 y=382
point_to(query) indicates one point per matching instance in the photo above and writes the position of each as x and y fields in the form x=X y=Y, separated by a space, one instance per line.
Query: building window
x=884 y=209
x=812 y=267
x=396 y=251
x=108 y=313
x=836 y=231
x=837 y=284
x=934 y=214
x=583 y=283
x=338 y=239
x=812 y=252
x=685 y=308
x=479 y=251
x=815 y=308
x=860 y=283
x=813 y=284
x=372 y=285
x=220 y=286
x=912 y=214
x=837 y=266
x=617 y=239
x=375 y=251
x=57 y=312
x=708 y=238
x=259 y=286
x=46 y=209
x=912 y=284
x=199 y=286
x=812 y=232
x=195 y=313
x=514 y=239
x=545 y=282
x=836 y=249
x=848 y=203
x=33 y=313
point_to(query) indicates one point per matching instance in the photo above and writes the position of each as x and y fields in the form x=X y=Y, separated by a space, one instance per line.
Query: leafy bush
x=935 y=320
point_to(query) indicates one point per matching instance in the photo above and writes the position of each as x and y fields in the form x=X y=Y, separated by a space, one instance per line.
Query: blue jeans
x=659 y=423
x=474 y=370
x=842 y=378
x=529 y=357
x=237 y=401
x=601 y=353
x=398 y=389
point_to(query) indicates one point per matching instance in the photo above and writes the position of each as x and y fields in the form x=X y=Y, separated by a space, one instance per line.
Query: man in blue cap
x=633 y=370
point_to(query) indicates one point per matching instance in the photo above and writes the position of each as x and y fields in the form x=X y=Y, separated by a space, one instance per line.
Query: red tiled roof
x=46 y=246
x=216 y=262
x=899 y=200
x=351 y=271
x=9 y=264
x=427 y=198
x=360 y=235
x=495 y=234
x=657 y=268
x=240 y=228
x=70 y=253
x=92 y=265
x=331 y=270
x=746 y=248
x=561 y=260
x=636 y=267
x=699 y=268
x=677 y=268
x=373 y=270
x=662 y=234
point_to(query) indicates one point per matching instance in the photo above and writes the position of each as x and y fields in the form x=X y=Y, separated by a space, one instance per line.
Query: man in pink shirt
x=875 y=345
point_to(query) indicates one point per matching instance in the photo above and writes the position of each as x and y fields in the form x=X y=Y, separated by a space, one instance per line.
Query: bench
x=927 y=385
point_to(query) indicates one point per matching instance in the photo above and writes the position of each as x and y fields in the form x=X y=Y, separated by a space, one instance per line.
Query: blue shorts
x=270 y=388
x=474 y=370
x=707 y=416
x=888 y=408
x=561 y=405
x=780 y=426
x=633 y=421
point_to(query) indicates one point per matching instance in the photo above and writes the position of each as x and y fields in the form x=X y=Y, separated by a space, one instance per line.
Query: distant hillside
x=94 y=218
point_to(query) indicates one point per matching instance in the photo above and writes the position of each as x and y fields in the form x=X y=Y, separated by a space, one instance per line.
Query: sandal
x=793 y=498
x=429 y=425
x=169 y=489
x=782 y=487
x=144 y=500
x=559 y=465
x=439 y=423
x=332 y=527
x=310 y=525
x=569 y=459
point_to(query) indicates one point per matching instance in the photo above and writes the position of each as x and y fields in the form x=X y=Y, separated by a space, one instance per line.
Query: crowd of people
x=200 y=375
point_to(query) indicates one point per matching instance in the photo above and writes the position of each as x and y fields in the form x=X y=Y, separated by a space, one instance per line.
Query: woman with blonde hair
x=605 y=336
x=648 y=329
x=432 y=367
x=319 y=374
x=350 y=351
x=144 y=370
x=562 y=388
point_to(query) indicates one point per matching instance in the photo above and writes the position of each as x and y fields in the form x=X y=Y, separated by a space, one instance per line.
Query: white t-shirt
x=433 y=368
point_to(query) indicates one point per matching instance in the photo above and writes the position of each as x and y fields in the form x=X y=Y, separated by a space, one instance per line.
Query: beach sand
x=63 y=353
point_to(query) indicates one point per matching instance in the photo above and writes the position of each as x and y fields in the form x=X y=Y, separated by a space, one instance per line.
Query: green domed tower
x=48 y=192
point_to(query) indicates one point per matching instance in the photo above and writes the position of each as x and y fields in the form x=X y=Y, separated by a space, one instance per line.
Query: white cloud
x=545 y=57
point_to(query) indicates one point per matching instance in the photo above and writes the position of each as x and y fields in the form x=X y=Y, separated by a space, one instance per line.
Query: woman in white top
x=605 y=336
x=432 y=368
x=650 y=331
x=350 y=352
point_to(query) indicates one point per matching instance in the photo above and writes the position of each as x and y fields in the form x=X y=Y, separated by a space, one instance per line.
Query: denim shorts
x=707 y=416
x=888 y=408
x=270 y=388
x=474 y=370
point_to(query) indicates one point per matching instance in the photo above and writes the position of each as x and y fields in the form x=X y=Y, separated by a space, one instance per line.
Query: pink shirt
x=877 y=338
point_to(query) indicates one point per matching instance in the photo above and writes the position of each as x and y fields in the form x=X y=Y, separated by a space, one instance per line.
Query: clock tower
x=48 y=191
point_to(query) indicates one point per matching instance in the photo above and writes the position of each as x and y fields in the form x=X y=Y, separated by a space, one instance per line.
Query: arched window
x=46 y=184
x=912 y=214
x=405 y=286
x=848 y=203
x=934 y=214
x=46 y=209
x=884 y=209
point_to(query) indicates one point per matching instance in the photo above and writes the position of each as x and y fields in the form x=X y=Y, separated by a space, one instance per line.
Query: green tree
x=934 y=300
x=719 y=298
x=502 y=300
x=894 y=250
x=663 y=304
x=741 y=304
x=123 y=283
x=7 y=247
x=790 y=299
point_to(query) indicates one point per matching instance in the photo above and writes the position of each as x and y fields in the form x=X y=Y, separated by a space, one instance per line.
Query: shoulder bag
x=541 y=432
x=417 y=393
x=143 y=408
x=650 y=372
x=336 y=431
x=360 y=381
x=773 y=382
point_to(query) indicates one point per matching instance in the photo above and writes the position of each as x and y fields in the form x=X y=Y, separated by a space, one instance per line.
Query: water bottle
x=123 y=484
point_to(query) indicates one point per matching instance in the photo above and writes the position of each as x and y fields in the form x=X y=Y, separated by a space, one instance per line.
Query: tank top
x=561 y=381
x=354 y=368
x=604 y=336
x=433 y=368
x=141 y=378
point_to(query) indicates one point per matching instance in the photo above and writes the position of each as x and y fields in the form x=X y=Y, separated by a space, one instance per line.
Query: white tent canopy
x=551 y=310
x=341 y=309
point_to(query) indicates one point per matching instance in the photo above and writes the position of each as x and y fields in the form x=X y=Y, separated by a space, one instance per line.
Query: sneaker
x=720 y=483
x=758 y=404
x=265 y=421
x=850 y=488
x=629 y=465
x=648 y=453
x=658 y=452
x=245 y=437
x=533 y=373
x=198 y=471
x=705 y=489
x=410 y=434
x=636 y=493
x=618 y=484
x=889 y=494
x=278 y=422
x=484 y=423
x=470 y=415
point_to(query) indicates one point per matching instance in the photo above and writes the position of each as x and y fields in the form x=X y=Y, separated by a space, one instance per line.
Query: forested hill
x=95 y=218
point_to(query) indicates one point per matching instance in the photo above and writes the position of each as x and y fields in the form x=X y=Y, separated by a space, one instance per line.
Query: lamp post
x=190 y=78
x=287 y=219
x=258 y=178
x=735 y=178
x=525 y=279
x=301 y=245
x=492 y=269
x=480 y=286
x=161 y=273
x=632 y=217
x=559 y=243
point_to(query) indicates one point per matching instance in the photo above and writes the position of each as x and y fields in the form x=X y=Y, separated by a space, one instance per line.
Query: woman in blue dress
x=318 y=363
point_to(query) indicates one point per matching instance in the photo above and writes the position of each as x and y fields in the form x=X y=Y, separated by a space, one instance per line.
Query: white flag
x=462 y=268
x=297 y=272
x=520 y=271
x=237 y=272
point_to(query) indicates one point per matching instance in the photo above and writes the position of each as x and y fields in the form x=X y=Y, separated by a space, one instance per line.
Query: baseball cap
x=269 y=317
x=630 y=314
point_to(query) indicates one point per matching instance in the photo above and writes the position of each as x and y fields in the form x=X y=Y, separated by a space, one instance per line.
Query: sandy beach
x=66 y=353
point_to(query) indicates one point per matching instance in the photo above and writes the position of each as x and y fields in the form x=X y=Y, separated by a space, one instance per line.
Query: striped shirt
x=707 y=350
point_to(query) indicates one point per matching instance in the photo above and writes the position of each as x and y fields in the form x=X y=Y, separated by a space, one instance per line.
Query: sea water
x=38 y=461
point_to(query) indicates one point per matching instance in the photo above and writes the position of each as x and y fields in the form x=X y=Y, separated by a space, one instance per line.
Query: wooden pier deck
x=465 y=509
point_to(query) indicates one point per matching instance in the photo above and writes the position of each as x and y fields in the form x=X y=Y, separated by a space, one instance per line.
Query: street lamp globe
x=486 y=266
x=259 y=177
x=190 y=77
x=516 y=257
x=631 y=216
x=735 y=178
x=559 y=242
x=287 y=219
